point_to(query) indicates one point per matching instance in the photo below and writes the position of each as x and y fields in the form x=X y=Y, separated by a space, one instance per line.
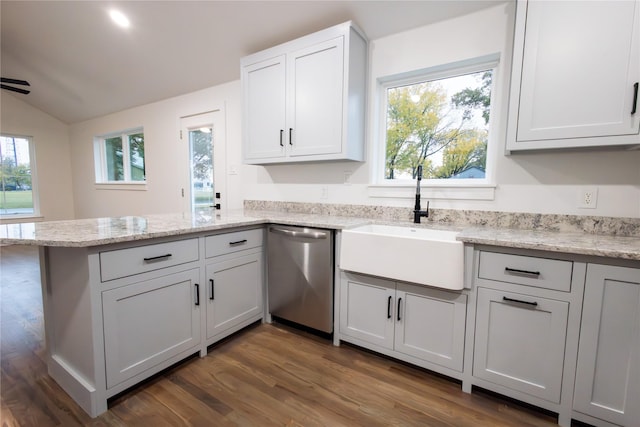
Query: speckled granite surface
x=512 y=220
x=584 y=235
x=102 y=231
x=607 y=237
x=623 y=247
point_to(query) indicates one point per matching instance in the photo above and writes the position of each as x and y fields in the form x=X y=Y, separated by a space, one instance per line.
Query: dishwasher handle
x=301 y=234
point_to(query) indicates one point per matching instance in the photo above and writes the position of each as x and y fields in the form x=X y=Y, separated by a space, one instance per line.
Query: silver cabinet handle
x=301 y=234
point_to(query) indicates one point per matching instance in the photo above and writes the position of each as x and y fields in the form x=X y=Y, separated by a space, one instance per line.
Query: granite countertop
x=612 y=246
x=102 y=231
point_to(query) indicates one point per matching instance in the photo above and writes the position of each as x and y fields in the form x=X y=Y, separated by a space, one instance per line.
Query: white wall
x=538 y=183
x=166 y=157
x=53 y=166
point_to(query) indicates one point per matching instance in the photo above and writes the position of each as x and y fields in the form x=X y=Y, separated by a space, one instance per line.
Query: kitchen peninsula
x=109 y=285
x=126 y=297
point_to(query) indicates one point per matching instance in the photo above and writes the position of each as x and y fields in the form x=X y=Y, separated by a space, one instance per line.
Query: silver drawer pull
x=532 y=274
x=531 y=303
x=239 y=242
x=157 y=258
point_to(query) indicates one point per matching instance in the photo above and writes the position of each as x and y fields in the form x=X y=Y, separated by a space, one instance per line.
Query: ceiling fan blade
x=14 y=81
x=15 y=89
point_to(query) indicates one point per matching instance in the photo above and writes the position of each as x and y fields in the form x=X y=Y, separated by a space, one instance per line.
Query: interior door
x=203 y=137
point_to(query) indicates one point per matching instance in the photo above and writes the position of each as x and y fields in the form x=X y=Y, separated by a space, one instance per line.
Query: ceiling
x=80 y=65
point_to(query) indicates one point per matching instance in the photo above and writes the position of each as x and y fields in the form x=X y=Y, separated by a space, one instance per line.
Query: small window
x=17 y=193
x=440 y=120
x=119 y=157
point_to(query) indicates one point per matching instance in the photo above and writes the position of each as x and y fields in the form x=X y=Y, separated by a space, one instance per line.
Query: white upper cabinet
x=305 y=100
x=575 y=74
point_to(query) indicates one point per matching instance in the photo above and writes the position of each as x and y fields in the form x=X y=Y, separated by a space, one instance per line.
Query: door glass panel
x=201 y=152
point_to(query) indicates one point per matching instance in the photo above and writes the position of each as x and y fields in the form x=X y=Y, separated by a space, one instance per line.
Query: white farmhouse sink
x=417 y=255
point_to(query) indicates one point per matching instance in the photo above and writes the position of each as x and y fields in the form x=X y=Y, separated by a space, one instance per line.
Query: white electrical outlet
x=588 y=197
x=347 y=177
x=324 y=192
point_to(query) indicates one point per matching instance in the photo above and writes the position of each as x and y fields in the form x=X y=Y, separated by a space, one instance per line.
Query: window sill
x=445 y=192
x=123 y=186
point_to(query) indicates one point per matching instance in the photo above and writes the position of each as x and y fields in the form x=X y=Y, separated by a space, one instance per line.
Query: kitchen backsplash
x=530 y=221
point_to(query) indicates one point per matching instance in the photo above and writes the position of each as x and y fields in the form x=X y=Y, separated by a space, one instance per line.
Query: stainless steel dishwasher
x=300 y=275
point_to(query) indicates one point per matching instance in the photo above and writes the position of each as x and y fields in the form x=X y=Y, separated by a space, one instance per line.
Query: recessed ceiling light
x=119 y=18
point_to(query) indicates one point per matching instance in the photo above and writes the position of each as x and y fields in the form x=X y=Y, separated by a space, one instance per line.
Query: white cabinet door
x=149 y=322
x=264 y=103
x=520 y=341
x=608 y=372
x=367 y=306
x=575 y=68
x=234 y=292
x=315 y=105
x=304 y=100
x=430 y=324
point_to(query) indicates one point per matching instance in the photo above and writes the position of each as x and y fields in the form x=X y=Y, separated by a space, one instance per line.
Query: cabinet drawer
x=141 y=259
x=525 y=270
x=227 y=243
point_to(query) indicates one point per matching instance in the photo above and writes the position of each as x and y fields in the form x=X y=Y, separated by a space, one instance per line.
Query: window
x=438 y=118
x=119 y=157
x=17 y=192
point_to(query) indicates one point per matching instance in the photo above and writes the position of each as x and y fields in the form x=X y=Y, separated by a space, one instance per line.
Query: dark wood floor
x=266 y=375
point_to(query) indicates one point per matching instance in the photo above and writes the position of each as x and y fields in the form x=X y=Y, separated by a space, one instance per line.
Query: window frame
x=35 y=195
x=458 y=188
x=100 y=160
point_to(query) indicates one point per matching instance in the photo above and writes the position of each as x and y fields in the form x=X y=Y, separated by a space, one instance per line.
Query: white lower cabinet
x=607 y=383
x=403 y=320
x=234 y=293
x=520 y=342
x=149 y=322
x=524 y=325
